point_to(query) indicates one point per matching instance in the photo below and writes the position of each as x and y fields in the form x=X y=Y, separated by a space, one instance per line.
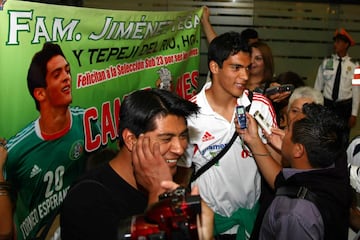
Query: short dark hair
x=249 y=33
x=36 y=77
x=141 y=108
x=321 y=131
x=290 y=77
x=225 y=45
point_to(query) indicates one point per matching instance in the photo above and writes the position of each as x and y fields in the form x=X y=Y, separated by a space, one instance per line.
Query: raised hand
x=150 y=168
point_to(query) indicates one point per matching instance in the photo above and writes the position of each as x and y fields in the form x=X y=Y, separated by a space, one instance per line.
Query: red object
x=356 y=78
x=344 y=33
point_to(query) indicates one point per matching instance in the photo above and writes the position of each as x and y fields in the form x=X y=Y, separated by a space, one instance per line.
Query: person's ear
x=39 y=94
x=129 y=139
x=213 y=66
x=299 y=150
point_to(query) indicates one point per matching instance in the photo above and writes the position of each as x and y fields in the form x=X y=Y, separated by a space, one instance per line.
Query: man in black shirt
x=153 y=134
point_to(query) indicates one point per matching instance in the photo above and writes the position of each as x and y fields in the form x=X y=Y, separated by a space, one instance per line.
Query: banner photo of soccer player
x=111 y=53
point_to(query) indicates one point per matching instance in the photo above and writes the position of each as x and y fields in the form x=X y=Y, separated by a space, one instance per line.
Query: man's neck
x=341 y=54
x=53 y=121
x=301 y=163
x=221 y=103
x=122 y=165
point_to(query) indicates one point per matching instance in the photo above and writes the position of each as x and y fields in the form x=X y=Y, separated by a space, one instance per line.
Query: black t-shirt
x=96 y=205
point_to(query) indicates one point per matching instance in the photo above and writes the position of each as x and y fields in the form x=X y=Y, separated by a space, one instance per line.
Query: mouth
x=171 y=160
x=66 y=89
x=239 y=85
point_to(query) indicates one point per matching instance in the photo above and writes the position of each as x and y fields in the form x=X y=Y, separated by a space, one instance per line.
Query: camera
x=172 y=217
x=279 y=89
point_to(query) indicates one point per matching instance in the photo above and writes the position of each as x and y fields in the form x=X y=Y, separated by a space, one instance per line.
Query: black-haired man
x=46 y=156
x=230 y=187
x=153 y=135
x=313 y=195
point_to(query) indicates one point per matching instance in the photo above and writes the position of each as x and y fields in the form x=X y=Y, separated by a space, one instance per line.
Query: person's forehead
x=168 y=121
x=55 y=61
x=255 y=51
x=239 y=57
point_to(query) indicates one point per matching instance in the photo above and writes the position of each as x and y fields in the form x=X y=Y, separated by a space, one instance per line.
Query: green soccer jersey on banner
x=41 y=171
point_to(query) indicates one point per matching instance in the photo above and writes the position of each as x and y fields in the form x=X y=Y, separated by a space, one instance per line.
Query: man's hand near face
x=150 y=168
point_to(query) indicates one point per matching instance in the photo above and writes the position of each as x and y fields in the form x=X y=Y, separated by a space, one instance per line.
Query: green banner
x=111 y=53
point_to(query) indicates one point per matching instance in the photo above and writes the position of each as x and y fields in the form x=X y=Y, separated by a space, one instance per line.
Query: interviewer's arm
x=268 y=166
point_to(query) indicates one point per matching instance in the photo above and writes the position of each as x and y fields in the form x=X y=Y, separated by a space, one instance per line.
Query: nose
x=67 y=77
x=178 y=146
x=244 y=73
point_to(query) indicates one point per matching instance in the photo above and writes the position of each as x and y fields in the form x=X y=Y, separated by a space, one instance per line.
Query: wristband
x=261 y=154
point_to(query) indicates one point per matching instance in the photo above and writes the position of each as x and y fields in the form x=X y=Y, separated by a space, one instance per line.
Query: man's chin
x=173 y=170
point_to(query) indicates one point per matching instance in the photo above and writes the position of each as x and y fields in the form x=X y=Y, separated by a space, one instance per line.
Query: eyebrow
x=186 y=131
x=60 y=68
x=236 y=65
x=239 y=65
x=165 y=135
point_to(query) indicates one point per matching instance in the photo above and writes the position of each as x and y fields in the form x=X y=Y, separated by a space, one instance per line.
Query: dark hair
x=322 y=134
x=290 y=78
x=342 y=38
x=225 y=45
x=36 y=77
x=141 y=108
x=249 y=33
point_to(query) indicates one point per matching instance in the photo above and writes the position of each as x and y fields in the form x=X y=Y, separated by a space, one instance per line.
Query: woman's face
x=295 y=109
x=257 y=62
